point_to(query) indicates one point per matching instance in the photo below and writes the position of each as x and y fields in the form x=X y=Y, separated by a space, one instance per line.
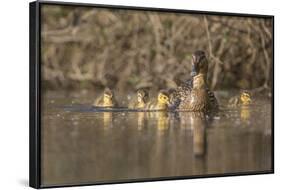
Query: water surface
x=81 y=144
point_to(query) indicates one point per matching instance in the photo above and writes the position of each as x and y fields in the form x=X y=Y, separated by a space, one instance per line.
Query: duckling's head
x=199 y=63
x=107 y=96
x=198 y=81
x=163 y=97
x=142 y=95
x=245 y=98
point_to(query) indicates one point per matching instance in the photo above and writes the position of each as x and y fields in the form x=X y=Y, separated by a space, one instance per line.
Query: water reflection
x=161 y=118
x=141 y=120
x=195 y=122
x=198 y=125
x=82 y=145
x=245 y=113
x=107 y=120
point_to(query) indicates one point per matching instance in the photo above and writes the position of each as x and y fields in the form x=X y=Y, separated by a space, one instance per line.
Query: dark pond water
x=81 y=144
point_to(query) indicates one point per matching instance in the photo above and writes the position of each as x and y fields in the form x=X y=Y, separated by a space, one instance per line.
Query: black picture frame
x=35 y=91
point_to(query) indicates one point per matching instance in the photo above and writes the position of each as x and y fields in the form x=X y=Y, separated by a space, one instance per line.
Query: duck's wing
x=182 y=93
x=196 y=101
x=210 y=103
x=185 y=99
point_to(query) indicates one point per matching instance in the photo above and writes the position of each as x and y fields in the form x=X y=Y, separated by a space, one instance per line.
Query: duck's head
x=163 y=97
x=199 y=81
x=142 y=95
x=199 y=63
x=107 y=96
x=245 y=98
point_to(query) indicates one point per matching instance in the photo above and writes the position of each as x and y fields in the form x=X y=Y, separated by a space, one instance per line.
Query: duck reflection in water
x=107 y=120
x=141 y=120
x=162 y=120
x=243 y=102
x=195 y=122
x=245 y=113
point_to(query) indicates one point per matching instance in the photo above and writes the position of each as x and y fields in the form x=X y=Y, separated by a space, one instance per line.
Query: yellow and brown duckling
x=162 y=102
x=184 y=94
x=107 y=99
x=244 y=99
x=141 y=101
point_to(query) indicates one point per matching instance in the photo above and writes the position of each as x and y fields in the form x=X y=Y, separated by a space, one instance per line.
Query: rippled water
x=81 y=144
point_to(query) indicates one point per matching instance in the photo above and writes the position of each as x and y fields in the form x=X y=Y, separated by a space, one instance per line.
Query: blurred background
x=90 y=48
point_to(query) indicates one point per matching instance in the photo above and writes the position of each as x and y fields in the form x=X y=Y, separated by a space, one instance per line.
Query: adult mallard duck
x=141 y=101
x=161 y=103
x=181 y=98
x=243 y=99
x=107 y=99
x=198 y=98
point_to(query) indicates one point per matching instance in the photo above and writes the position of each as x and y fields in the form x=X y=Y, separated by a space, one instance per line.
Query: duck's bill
x=193 y=71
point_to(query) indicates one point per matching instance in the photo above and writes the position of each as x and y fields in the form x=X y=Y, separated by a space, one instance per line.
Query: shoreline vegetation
x=93 y=48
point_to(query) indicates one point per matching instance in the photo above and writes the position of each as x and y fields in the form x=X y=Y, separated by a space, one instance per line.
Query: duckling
x=106 y=99
x=182 y=95
x=162 y=102
x=141 y=101
x=243 y=99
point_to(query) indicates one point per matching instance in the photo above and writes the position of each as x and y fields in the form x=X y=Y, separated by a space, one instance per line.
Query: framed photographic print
x=131 y=94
